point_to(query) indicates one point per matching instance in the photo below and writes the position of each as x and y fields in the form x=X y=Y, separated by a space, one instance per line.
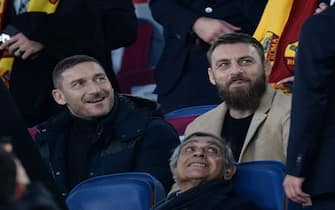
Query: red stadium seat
x=182 y=117
x=135 y=69
x=140 y=1
x=33 y=131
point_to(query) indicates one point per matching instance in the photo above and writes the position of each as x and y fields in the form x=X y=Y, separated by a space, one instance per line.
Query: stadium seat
x=189 y=111
x=135 y=70
x=261 y=182
x=182 y=117
x=156 y=186
x=294 y=206
x=140 y=1
x=126 y=191
x=33 y=132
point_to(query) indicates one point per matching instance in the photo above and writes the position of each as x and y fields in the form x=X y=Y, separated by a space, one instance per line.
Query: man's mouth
x=238 y=81
x=96 y=100
x=199 y=165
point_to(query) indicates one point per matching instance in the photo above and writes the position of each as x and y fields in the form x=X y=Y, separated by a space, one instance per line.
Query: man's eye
x=76 y=84
x=223 y=65
x=212 y=150
x=101 y=78
x=246 y=61
x=189 y=149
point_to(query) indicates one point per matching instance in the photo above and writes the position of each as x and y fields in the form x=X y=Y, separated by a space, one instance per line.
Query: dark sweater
x=213 y=195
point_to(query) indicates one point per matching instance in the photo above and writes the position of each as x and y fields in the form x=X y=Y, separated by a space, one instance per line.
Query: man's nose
x=93 y=88
x=199 y=153
x=236 y=68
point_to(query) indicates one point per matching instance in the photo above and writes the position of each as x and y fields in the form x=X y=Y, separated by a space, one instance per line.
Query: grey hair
x=228 y=154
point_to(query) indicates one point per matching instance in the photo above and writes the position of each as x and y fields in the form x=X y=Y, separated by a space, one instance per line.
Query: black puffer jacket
x=133 y=137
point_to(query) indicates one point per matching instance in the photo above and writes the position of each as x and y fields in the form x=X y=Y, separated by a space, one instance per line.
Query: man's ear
x=211 y=76
x=175 y=186
x=229 y=173
x=58 y=96
x=173 y=171
x=267 y=68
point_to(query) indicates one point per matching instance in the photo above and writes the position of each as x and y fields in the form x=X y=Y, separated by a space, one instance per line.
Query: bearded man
x=254 y=118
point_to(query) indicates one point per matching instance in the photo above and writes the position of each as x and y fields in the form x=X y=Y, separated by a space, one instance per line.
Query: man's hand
x=322 y=7
x=293 y=189
x=20 y=46
x=209 y=29
x=287 y=79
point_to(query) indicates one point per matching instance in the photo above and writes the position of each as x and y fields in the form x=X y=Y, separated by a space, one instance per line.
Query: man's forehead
x=87 y=65
x=84 y=70
x=235 y=50
x=203 y=140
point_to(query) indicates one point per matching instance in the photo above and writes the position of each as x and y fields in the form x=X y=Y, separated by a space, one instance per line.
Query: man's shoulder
x=136 y=110
x=208 y=122
x=137 y=103
x=210 y=114
x=140 y=113
x=282 y=100
x=275 y=108
x=274 y=100
x=59 y=118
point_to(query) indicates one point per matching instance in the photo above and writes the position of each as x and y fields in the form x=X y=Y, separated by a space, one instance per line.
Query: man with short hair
x=203 y=167
x=101 y=132
x=190 y=27
x=254 y=119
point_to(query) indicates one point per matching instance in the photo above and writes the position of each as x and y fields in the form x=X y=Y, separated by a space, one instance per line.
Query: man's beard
x=244 y=98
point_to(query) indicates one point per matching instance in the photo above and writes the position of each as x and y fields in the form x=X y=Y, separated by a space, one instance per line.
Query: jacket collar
x=203 y=192
x=128 y=118
x=259 y=116
x=216 y=116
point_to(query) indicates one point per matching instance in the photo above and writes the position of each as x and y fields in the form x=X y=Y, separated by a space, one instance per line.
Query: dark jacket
x=77 y=27
x=36 y=197
x=8 y=207
x=181 y=74
x=312 y=138
x=213 y=195
x=133 y=137
x=24 y=147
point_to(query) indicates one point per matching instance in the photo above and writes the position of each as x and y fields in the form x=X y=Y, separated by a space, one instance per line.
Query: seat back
x=33 y=132
x=182 y=117
x=124 y=191
x=135 y=69
x=158 y=192
x=261 y=182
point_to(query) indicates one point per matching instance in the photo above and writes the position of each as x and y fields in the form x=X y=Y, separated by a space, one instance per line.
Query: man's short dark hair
x=7 y=177
x=67 y=63
x=235 y=38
